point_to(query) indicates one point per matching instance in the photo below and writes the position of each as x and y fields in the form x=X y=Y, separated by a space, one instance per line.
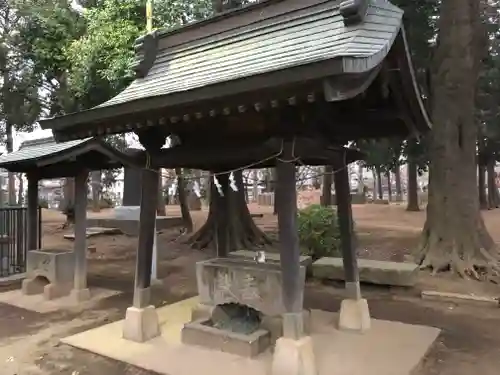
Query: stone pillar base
x=354 y=315
x=141 y=324
x=53 y=291
x=294 y=357
x=80 y=295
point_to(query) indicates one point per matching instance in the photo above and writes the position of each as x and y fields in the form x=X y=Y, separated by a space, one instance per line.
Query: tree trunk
x=413 y=204
x=181 y=191
x=242 y=231
x=326 y=194
x=397 y=178
x=379 y=183
x=481 y=185
x=9 y=145
x=96 y=190
x=361 y=180
x=454 y=237
x=493 y=198
x=160 y=209
x=389 y=186
x=20 y=193
x=255 y=185
x=68 y=206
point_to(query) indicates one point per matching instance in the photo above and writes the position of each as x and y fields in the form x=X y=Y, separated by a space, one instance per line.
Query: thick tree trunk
x=397 y=178
x=493 y=198
x=96 y=190
x=379 y=183
x=160 y=209
x=326 y=194
x=9 y=145
x=389 y=186
x=242 y=231
x=413 y=204
x=361 y=180
x=181 y=192
x=481 y=185
x=68 y=206
x=454 y=236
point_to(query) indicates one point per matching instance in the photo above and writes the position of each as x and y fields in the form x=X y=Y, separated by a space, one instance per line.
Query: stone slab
x=370 y=271
x=95 y=231
x=131 y=227
x=305 y=260
x=403 y=347
x=461 y=298
x=201 y=334
x=39 y=304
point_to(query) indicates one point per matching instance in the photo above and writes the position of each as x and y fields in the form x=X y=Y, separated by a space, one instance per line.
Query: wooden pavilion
x=325 y=71
x=45 y=159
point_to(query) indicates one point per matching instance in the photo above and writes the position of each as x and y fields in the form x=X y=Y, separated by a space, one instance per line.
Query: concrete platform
x=370 y=271
x=389 y=348
x=39 y=304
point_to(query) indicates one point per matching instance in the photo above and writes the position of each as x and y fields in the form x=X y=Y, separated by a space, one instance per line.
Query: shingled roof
x=178 y=68
x=45 y=153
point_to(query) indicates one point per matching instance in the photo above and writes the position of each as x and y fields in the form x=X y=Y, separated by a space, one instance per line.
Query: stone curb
x=461 y=298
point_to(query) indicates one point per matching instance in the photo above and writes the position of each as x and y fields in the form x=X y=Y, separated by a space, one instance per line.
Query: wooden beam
x=292 y=288
x=344 y=213
x=32 y=211
x=149 y=201
x=80 y=245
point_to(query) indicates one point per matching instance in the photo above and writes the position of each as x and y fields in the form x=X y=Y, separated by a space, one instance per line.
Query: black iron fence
x=14 y=239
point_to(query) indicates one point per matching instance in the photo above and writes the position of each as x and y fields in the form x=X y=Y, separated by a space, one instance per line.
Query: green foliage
x=319 y=234
x=42 y=203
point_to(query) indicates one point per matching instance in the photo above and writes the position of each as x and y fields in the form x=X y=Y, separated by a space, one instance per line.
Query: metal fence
x=14 y=239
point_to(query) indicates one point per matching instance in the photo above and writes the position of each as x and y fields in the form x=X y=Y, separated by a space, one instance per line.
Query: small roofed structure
x=326 y=71
x=49 y=159
x=45 y=159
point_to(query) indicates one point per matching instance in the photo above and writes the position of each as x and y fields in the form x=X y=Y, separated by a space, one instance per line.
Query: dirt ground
x=469 y=343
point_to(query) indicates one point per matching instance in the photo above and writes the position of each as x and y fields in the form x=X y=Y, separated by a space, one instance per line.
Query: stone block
x=141 y=325
x=81 y=295
x=354 y=315
x=202 y=334
x=54 y=291
x=294 y=357
x=305 y=260
x=50 y=272
x=232 y=280
x=370 y=271
x=461 y=298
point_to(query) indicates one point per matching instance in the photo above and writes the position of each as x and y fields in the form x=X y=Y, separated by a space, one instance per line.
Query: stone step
x=305 y=260
x=370 y=271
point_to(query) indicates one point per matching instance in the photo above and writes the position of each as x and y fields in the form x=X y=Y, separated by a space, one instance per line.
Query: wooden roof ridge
x=272 y=37
x=45 y=152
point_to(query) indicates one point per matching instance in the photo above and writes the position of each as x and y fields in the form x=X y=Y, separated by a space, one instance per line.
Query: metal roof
x=293 y=39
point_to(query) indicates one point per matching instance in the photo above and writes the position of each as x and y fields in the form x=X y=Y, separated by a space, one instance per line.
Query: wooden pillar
x=80 y=247
x=32 y=212
x=292 y=288
x=149 y=202
x=344 y=213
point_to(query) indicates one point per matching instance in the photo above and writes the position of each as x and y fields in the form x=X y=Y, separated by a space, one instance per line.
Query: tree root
x=472 y=254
